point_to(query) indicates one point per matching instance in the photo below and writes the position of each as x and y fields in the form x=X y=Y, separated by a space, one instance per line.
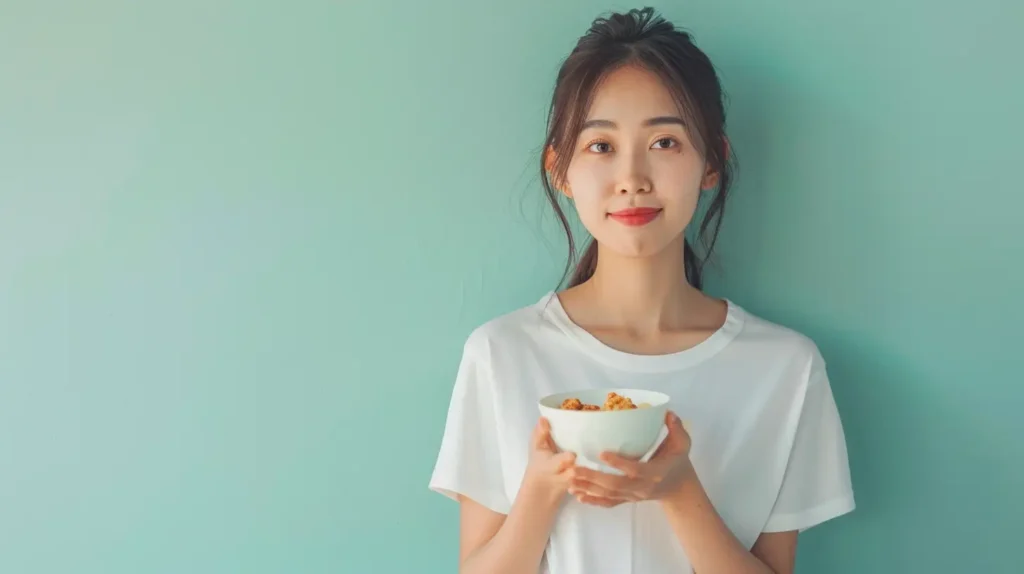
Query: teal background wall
x=241 y=245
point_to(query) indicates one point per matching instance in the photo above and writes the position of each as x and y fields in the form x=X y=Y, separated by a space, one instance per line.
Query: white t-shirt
x=768 y=443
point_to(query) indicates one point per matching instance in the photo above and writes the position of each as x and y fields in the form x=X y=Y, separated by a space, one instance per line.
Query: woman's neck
x=642 y=294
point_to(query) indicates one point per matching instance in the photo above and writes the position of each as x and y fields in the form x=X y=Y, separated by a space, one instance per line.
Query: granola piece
x=572 y=405
x=616 y=402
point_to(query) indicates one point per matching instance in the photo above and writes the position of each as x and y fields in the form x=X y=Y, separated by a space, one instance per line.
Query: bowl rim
x=662 y=399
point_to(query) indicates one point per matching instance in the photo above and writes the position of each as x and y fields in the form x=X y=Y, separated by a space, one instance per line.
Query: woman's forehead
x=631 y=95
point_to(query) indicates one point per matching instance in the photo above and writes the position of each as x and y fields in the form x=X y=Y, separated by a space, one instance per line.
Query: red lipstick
x=635 y=216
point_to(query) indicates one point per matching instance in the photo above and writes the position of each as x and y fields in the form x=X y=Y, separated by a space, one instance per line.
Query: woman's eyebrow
x=655 y=121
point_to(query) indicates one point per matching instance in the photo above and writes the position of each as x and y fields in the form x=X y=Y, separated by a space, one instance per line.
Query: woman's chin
x=640 y=247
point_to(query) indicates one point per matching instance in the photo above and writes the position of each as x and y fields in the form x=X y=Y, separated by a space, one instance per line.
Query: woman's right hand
x=493 y=542
x=548 y=470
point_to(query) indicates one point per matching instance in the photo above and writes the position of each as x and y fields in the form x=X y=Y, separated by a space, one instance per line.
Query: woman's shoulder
x=770 y=338
x=526 y=325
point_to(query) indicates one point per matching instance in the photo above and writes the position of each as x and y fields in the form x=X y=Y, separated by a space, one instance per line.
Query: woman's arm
x=493 y=543
x=670 y=478
x=712 y=547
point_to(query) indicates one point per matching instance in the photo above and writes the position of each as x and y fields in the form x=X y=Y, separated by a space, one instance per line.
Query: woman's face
x=635 y=177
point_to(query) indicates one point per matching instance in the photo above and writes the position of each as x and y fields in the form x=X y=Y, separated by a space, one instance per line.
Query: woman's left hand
x=666 y=470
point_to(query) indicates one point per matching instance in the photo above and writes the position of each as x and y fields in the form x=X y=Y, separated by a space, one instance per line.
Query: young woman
x=635 y=137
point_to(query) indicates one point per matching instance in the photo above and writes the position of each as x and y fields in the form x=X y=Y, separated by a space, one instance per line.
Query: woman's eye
x=665 y=143
x=600 y=147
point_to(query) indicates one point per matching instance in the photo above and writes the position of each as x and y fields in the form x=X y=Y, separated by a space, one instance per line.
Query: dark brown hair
x=640 y=38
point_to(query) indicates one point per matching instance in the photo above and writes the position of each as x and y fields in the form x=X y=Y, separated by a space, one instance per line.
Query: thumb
x=564 y=460
x=673 y=422
x=541 y=439
x=677 y=434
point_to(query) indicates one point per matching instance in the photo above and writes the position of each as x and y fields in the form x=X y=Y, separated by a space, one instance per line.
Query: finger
x=549 y=442
x=675 y=424
x=632 y=468
x=537 y=436
x=582 y=487
x=579 y=486
x=598 y=501
x=564 y=462
x=541 y=438
x=598 y=477
x=677 y=441
x=610 y=483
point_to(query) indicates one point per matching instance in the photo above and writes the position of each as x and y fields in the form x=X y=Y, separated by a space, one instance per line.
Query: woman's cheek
x=590 y=209
x=590 y=179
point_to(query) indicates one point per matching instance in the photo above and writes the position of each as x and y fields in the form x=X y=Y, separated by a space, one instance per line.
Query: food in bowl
x=574 y=404
x=627 y=421
x=612 y=402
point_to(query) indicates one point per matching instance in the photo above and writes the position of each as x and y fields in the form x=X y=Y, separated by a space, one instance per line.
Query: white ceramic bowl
x=633 y=433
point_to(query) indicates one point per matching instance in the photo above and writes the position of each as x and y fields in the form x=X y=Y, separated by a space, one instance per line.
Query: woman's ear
x=711 y=178
x=710 y=181
x=549 y=166
x=549 y=159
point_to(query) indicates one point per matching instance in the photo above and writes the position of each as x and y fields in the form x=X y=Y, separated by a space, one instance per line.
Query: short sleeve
x=469 y=460
x=816 y=486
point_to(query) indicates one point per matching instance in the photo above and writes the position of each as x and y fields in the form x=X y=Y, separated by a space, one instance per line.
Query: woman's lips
x=635 y=216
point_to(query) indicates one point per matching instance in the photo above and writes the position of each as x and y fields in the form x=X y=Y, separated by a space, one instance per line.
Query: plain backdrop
x=241 y=244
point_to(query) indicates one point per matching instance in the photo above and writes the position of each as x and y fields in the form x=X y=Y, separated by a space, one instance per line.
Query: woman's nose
x=635 y=177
